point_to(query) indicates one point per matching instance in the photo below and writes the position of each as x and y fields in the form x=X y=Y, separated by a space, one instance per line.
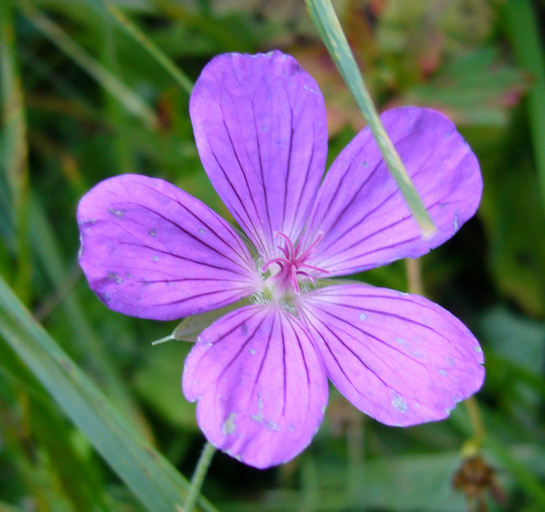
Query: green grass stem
x=138 y=35
x=521 y=20
x=15 y=148
x=150 y=477
x=331 y=32
x=130 y=100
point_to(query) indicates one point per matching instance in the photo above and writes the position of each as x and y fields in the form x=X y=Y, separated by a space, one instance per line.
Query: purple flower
x=260 y=373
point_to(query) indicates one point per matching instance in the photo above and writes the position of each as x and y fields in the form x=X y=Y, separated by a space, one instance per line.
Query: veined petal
x=260 y=383
x=260 y=127
x=397 y=357
x=363 y=215
x=149 y=249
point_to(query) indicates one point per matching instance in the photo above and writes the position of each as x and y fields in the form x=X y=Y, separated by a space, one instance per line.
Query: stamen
x=291 y=250
x=317 y=269
x=279 y=261
x=292 y=264
x=308 y=276
x=316 y=241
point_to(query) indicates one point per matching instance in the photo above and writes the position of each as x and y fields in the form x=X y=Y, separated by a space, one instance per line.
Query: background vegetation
x=95 y=88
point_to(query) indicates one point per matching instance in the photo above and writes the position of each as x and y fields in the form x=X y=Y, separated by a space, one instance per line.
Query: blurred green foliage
x=94 y=88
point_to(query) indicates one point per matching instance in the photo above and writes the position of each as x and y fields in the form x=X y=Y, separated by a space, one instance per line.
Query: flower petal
x=397 y=357
x=261 y=132
x=260 y=383
x=149 y=249
x=362 y=213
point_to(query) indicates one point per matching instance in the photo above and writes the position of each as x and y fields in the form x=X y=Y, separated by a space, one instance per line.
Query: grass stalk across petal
x=331 y=32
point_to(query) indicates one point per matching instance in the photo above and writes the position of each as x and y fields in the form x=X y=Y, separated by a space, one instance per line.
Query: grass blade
x=152 y=479
x=331 y=32
x=46 y=247
x=15 y=148
x=523 y=29
x=135 y=33
x=131 y=101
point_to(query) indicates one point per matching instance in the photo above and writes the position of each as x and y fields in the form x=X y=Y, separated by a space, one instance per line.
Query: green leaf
x=152 y=479
x=191 y=326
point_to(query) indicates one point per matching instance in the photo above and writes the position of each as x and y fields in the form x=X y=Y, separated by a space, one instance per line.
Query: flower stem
x=414 y=276
x=198 y=476
x=330 y=30
x=474 y=445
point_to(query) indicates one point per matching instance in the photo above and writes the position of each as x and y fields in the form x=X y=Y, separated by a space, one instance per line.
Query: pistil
x=292 y=267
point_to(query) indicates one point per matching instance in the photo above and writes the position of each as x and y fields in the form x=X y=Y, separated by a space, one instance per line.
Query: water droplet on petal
x=363 y=317
x=443 y=372
x=156 y=258
x=153 y=232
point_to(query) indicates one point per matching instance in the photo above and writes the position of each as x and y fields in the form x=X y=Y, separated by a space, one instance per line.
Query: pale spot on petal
x=259 y=416
x=229 y=426
x=271 y=425
x=115 y=277
x=117 y=213
x=456 y=221
x=399 y=404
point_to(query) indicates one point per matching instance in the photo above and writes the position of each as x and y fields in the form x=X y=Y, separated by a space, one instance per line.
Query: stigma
x=291 y=268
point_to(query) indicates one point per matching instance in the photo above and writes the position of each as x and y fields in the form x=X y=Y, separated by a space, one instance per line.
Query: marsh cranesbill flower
x=260 y=373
